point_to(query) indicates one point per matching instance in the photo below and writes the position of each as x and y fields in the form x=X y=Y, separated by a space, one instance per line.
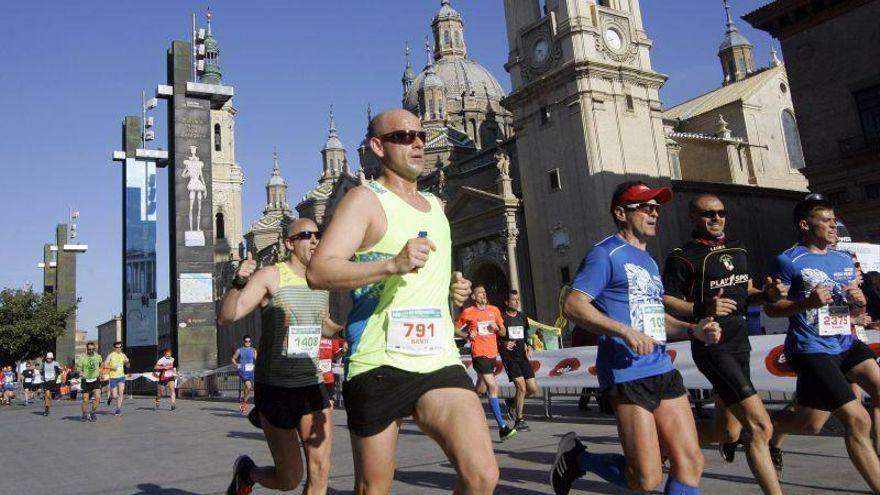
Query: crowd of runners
x=389 y=245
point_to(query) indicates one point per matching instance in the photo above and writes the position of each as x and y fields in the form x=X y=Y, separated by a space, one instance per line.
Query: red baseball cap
x=639 y=192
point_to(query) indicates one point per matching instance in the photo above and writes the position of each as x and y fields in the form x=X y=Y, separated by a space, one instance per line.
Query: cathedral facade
x=526 y=177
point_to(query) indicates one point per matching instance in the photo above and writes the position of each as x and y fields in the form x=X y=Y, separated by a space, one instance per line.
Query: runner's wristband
x=699 y=309
x=239 y=282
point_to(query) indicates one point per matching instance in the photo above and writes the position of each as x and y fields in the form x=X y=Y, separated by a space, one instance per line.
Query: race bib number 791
x=416 y=331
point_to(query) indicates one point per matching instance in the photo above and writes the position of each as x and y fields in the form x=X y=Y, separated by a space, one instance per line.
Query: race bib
x=303 y=341
x=325 y=365
x=861 y=333
x=248 y=367
x=834 y=320
x=515 y=332
x=417 y=332
x=654 y=321
x=483 y=328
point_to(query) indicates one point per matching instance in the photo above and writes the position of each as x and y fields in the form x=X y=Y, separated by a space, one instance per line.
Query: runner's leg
x=857 y=423
x=678 y=436
x=753 y=415
x=120 y=394
x=520 y=384
x=867 y=375
x=641 y=447
x=172 y=391
x=723 y=428
x=287 y=473
x=492 y=388
x=454 y=419
x=374 y=458
x=316 y=432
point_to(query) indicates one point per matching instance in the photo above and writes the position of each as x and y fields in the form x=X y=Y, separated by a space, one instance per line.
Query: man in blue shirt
x=618 y=294
x=820 y=345
x=244 y=359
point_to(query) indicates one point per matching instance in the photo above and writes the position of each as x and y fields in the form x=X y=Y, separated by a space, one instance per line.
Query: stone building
x=109 y=332
x=744 y=132
x=526 y=177
x=264 y=239
x=831 y=49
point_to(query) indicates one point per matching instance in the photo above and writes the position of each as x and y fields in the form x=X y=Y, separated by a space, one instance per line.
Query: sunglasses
x=404 y=137
x=305 y=234
x=247 y=341
x=117 y=347
x=649 y=207
x=713 y=213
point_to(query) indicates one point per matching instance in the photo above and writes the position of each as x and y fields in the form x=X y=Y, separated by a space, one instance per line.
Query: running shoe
x=728 y=450
x=521 y=425
x=84 y=418
x=46 y=412
x=565 y=469
x=118 y=412
x=243 y=408
x=241 y=483
x=173 y=407
x=506 y=432
x=93 y=417
x=776 y=457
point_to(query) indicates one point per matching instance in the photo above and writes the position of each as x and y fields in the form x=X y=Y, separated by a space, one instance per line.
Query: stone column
x=512 y=236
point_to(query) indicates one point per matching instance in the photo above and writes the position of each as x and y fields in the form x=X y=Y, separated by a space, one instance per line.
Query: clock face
x=613 y=39
x=541 y=51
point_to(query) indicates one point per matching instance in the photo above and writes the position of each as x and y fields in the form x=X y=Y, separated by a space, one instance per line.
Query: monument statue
x=196 y=187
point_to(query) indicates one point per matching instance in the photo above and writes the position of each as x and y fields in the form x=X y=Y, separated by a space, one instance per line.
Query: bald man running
x=390 y=244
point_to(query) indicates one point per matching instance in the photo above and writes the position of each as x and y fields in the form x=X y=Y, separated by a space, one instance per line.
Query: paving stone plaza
x=190 y=451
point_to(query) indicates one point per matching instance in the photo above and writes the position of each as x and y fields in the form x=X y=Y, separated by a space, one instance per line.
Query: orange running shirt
x=483 y=343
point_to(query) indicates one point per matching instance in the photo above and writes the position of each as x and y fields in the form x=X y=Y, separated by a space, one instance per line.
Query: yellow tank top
x=404 y=321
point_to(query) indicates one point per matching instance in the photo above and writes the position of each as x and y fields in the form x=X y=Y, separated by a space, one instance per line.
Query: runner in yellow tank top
x=390 y=245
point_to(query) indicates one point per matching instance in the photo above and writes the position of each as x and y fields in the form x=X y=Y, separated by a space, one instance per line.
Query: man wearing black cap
x=709 y=276
x=820 y=345
x=618 y=294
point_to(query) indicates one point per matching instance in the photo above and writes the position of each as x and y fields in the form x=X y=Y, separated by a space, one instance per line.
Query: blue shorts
x=8 y=386
x=116 y=381
x=246 y=377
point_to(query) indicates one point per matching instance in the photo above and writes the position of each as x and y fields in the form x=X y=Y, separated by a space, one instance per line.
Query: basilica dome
x=459 y=75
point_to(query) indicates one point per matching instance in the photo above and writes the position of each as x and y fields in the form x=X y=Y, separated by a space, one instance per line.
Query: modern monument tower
x=139 y=323
x=194 y=89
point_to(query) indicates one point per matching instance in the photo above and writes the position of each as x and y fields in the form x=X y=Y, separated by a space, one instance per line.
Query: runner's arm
x=499 y=322
x=578 y=307
x=331 y=267
x=707 y=330
x=237 y=303
x=678 y=306
x=235 y=358
x=330 y=328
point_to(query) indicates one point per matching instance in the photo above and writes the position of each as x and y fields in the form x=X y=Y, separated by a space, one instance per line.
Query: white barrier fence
x=575 y=366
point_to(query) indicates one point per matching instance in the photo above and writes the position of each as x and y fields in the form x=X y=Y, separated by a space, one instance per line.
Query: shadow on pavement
x=248 y=435
x=151 y=489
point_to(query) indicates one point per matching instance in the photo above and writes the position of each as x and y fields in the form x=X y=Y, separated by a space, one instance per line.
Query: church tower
x=409 y=75
x=587 y=116
x=227 y=176
x=432 y=94
x=448 y=31
x=333 y=154
x=735 y=52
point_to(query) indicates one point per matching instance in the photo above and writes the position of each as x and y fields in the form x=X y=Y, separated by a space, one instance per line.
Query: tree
x=29 y=324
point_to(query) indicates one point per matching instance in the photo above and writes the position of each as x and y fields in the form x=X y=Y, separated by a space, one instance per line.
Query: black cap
x=802 y=209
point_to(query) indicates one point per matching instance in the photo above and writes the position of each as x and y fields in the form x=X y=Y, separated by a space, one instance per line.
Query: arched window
x=792 y=140
x=219 y=226
x=217 y=136
x=446 y=41
x=458 y=38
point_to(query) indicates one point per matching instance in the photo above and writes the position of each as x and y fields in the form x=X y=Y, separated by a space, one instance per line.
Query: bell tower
x=587 y=116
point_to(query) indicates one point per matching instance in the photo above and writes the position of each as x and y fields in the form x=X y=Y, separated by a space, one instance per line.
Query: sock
x=675 y=487
x=609 y=467
x=496 y=411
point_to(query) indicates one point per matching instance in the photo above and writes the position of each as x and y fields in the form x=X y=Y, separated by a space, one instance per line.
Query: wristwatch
x=239 y=282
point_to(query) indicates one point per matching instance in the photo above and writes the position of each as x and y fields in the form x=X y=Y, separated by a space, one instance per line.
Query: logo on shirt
x=814 y=278
x=729 y=281
x=727 y=261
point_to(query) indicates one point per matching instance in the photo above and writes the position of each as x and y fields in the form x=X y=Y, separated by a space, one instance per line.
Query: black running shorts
x=284 y=407
x=728 y=372
x=821 y=382
x=376 y=398
x=89 y=387
x=518 y=368
x=484 y=365
x=650 y=391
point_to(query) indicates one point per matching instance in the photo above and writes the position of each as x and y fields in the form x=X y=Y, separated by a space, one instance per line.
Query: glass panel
x=140 y=253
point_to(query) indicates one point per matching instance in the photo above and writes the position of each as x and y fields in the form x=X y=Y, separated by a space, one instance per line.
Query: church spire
x=448 y=32
x=211 y=73
x=735 y=52
x=276 y=189
x=333 y=154
x=409 y=75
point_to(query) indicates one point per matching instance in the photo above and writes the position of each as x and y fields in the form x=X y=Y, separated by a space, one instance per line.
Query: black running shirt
x=521 y=323
x=697 y=271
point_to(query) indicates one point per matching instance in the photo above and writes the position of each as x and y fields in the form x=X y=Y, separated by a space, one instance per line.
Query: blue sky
x=70 y=71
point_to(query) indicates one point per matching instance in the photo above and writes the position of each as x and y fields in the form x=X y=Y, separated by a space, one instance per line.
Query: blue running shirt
x=621 y=279
x=803 y=271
